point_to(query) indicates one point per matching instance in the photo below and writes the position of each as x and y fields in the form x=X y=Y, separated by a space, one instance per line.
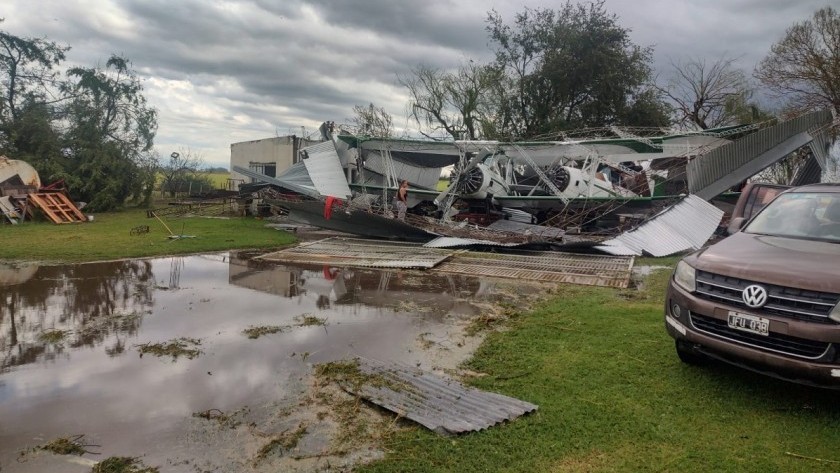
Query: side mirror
x=735 y=224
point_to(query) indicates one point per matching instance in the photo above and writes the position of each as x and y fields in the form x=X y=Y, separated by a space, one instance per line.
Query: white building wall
x=280 y=151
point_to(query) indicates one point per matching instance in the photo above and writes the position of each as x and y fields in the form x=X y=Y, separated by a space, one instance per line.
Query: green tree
x=110 y=136
x=804 y=66
x=29 y=85
x=571 y=68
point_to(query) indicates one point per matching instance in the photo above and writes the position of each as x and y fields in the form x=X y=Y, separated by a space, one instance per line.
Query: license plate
x=749 y=323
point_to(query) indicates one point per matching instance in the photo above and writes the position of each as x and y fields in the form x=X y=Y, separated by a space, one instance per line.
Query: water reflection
x=331 y=286
x=88 y=302
x=93 y=381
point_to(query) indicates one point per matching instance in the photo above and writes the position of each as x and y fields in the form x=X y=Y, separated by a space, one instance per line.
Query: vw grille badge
x=754 y=296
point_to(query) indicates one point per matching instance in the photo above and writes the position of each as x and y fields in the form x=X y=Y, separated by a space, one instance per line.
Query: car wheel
x=688 y=355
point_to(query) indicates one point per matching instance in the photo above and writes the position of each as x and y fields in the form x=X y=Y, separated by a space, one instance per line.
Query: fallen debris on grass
x=441 y=405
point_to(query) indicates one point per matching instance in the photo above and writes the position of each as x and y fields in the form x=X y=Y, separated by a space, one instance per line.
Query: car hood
x=803 y=264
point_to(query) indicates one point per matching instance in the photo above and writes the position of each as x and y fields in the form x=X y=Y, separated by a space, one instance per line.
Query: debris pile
x=21 y=192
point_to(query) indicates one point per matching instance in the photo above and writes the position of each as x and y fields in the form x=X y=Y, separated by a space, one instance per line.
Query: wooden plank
x=57 y=207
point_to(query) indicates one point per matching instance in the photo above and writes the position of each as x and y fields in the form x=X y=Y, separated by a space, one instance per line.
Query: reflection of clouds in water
x=86 y=390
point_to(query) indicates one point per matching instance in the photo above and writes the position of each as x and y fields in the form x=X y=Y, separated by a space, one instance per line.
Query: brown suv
x=767 y=297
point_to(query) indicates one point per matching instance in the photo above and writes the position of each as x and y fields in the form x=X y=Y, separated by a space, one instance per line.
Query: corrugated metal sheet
x=361 y=253
x=417 y=175
x=291 y=185
x=809 y=173
x=686 y=225
x=456 y=242
x=548 y=266
x=325 y=170
x=527 y=228
x=442 y=405
x=728 y=165
x=820 y=147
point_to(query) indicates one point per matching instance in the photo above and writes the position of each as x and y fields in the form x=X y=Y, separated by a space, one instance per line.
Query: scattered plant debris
x=425 y=341
x=258 y=331
x=224 y=420
x=410 y=306
x=68 y=446
x=284 y=441
x=123 y=465
x=308 y=320
x=98 y=327
x=186 y=347
x=348 y=373
x=54 y=336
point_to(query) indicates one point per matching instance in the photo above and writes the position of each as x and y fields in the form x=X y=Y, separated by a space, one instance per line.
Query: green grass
x=109 y=237
x=219 y=179
x=613 y=396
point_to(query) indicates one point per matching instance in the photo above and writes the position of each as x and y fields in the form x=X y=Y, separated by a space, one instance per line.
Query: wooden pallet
x=57 y=207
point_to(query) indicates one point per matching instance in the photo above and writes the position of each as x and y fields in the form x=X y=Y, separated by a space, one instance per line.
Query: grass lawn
x=109 y=237
x=613 y=396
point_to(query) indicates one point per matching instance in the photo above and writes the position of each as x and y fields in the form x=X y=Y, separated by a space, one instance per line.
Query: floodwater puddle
x=204 y=363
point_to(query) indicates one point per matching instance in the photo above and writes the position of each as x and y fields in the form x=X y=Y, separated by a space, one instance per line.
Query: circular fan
x=559 y=176
x=470 y=181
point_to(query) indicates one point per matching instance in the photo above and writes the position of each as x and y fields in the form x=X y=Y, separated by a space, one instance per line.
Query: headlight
x=684 y=277
x=835 y=314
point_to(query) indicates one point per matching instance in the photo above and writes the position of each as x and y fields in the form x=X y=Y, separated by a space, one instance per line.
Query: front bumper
x=819 y=370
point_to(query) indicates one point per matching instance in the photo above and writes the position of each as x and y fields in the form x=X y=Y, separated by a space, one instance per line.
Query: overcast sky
x=224 y=71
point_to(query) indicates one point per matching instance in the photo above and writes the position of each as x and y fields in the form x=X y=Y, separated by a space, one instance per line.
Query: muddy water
x=70 y=362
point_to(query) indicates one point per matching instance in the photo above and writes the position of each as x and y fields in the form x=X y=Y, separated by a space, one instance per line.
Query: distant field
x=219 y=179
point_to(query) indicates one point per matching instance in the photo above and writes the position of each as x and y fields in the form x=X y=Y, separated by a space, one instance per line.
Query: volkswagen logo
x=754 y=296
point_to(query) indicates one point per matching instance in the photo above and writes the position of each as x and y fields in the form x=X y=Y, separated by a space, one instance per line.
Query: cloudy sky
x=224 y=71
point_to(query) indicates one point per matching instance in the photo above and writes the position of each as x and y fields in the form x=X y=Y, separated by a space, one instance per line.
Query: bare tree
x=708 y=95
x=182 y=170
x=372 y=121
x=451 y=103
x=804 y=66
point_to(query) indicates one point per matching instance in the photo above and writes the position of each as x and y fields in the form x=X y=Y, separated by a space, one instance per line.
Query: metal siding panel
x=443 y=405
x=720 y=163
x=324 y=167
x=685 y=225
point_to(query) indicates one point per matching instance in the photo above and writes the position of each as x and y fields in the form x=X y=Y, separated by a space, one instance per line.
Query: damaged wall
x=264 y=156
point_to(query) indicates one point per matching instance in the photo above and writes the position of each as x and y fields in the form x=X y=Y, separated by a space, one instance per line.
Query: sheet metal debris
x=549 y=266
x=324 y=167
x=741 y=159
x=686 y=225
x=456 y=242
x=364 y=253
x=442 y=405
x=527 y=228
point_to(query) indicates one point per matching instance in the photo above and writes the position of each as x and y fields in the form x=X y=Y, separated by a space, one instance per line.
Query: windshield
x=814 y=215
